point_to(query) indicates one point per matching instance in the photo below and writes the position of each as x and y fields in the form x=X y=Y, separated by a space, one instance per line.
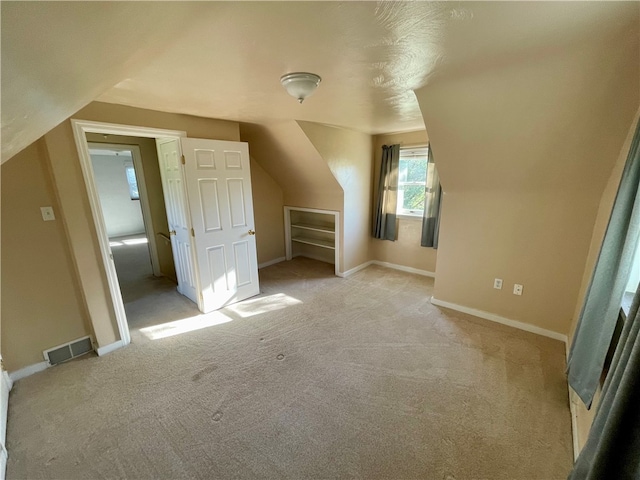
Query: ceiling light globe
x=300 y=85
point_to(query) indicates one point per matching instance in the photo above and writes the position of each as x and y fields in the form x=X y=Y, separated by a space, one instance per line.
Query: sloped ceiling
x=224 y=59
x=284 y=151
x=59 y=56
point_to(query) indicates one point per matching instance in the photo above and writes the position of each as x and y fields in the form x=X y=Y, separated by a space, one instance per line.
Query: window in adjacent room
x=133 y=182
x=412 y=181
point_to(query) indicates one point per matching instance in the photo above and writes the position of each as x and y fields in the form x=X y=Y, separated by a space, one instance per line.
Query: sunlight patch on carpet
x=185 y=325
x=261 y=305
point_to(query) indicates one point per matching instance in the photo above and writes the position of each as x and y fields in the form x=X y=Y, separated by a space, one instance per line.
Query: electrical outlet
x=517 y=289
x=497 y=283
x=47 y=214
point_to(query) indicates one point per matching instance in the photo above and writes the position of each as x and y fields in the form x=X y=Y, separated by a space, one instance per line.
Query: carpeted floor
x=317 y=378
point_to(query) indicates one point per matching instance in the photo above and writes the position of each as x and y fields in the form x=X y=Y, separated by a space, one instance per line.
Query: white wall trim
x=393 y=266
x=5 y=388
x=498 y=319
x=271 y=262
x=27 y=371
x=350 y=272
x=402 y=268
x=110 y=348
x=574 y=422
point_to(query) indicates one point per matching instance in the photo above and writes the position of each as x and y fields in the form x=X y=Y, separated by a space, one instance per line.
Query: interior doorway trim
x=80 y=129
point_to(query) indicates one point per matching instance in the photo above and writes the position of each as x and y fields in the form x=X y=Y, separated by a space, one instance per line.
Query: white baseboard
x=109 y=348
x=27 y=371
x=271 y=262
x=5 y=388
x=394 y=266
x=362 y=266
x=498 y=319
x=402 y=268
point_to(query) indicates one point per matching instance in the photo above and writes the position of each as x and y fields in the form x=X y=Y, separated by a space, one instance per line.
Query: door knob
x=172 y=232
x=252 y=232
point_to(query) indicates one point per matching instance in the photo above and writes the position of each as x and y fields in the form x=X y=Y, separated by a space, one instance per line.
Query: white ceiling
x=224 y=59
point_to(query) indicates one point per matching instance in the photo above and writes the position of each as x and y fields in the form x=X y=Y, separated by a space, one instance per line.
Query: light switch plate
x=47 y=214
x=517 y=289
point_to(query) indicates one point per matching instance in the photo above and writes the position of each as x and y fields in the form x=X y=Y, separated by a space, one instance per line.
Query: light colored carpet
x=317 y=378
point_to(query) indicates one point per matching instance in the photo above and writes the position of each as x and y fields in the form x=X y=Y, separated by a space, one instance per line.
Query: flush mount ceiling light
x=300 y=84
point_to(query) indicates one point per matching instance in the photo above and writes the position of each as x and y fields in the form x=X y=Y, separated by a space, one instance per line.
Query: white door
x=221 y=205
x=175 y=199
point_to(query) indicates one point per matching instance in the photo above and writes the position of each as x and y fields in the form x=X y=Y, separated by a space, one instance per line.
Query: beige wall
x=585 y=417
x=268 y=203
x=286 y=154
x=153 y=183
x=348 y=155
x=406 y=250
x=40 y=305
x=524 y=151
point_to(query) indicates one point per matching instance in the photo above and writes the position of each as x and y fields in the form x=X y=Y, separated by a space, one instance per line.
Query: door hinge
x=183 y=160
x=193 y=234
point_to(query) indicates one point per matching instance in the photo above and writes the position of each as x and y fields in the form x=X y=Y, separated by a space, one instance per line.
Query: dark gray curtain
x=599 y=313
x=384 y=221
x=433 y=196
x=613 y=446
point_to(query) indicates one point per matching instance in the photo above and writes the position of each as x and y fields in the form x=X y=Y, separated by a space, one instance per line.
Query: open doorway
x=208 y=207
x=120 y=181
x=129 y=188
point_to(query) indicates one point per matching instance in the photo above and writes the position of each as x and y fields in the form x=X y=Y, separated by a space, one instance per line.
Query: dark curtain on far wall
x=384 y=221
x=601 y=307
x=433 y=196
x=612 y=449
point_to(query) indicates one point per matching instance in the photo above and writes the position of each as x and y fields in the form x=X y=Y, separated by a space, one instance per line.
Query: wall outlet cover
x=47 y=214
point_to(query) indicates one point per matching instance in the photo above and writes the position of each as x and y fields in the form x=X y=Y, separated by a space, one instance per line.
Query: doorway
x=120 y=179
x=206 y=186
x=85 y=133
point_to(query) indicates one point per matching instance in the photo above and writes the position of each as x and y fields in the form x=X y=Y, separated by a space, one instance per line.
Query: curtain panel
x=432 y=201
x=384 y=221
x=600 y=310
x=612 y=449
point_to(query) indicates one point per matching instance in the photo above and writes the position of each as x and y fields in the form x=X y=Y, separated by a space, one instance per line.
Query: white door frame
x=144 y=198
x=80 y=129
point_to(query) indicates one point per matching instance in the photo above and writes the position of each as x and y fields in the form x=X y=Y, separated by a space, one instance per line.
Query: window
x=133 y=182
x=412 y=179
x=632 y=284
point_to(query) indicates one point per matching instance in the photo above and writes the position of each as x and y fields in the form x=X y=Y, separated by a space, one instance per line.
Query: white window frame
x=407 y=213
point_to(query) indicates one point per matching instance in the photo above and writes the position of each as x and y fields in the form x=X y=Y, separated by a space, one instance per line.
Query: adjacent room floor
x=318 y=377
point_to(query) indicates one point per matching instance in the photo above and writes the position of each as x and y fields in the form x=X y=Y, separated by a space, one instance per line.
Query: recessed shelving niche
x=312 y=233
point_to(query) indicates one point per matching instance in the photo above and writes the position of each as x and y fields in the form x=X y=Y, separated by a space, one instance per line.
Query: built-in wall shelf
x=312 y=233
x=315 y=241
x=315 y=228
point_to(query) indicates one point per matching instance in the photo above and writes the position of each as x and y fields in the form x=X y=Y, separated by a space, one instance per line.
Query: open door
x=218 y=181
x=207 y=189
x=175 y=199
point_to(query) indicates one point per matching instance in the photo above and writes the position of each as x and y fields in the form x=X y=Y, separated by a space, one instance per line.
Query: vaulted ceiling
x=224 y=59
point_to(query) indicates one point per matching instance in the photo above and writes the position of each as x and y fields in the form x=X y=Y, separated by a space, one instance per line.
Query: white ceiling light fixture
x=300 y=84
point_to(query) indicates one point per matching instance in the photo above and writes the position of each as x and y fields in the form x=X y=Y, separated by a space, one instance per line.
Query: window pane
x=413 y=167
x=133 y=183
x=412 y=177
x=413 y=198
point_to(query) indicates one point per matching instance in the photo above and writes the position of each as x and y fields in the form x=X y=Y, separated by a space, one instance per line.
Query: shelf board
x=315 y=241
x=315 y=228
